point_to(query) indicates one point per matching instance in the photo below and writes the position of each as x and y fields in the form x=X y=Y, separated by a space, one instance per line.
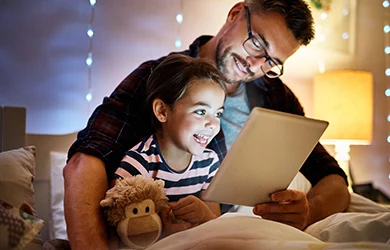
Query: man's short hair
x=296 y=13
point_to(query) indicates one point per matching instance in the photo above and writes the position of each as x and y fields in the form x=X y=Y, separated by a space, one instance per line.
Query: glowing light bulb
x=388 y=139
x=387 y=72
x=386 y=29
x=345 y=12
x=324 y=15
x=387 y=50
x=90 y=33
x=388 y=118
x=178 y=43
x=89 y=60
x=92 y=2
x=345 y=35
x=387 y=92
x=88 y=96
x=179 y=18
x=386 y=3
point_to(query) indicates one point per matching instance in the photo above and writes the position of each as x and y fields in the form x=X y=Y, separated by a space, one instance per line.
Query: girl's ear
x=160 y=110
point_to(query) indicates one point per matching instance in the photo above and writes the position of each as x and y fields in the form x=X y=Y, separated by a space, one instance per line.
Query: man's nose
x=255 y=63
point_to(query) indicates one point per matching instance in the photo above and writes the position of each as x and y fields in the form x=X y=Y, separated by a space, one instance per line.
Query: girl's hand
x=172 y=225
x=192 y=209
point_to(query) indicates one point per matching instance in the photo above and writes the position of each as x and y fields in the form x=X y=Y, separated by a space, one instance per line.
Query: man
x=257 y=38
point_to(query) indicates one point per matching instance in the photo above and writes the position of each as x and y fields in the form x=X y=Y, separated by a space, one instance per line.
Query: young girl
x=186 y=96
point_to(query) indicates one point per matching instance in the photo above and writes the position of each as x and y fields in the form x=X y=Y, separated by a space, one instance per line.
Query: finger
x=181 y=210
x=186 y=225
x=184 y=201
x=165 y=214
x=269 y=208
x=287 y=196
x=171 y=204
x=190 y=216
x=182 y=225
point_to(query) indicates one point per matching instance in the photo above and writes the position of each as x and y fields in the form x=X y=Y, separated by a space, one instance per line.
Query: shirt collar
x=195 y=46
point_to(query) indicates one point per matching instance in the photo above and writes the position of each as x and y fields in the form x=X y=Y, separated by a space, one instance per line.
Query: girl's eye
x=218 y=114
x=200 y=112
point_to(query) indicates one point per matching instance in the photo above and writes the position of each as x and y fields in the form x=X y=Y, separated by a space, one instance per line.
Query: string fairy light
x=179 y=20
x=386 y=30
x=325 y=13
x=89 y=60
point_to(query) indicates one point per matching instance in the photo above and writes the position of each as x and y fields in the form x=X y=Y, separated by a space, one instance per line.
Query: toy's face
x=141 y=226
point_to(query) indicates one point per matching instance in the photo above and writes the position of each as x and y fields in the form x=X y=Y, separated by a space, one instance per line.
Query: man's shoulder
x=276 y=95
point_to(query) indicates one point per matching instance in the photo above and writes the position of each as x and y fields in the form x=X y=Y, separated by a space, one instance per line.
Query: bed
x=366 y=224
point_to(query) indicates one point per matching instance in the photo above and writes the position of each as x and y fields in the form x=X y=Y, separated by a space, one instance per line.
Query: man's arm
x=330 y=195
x=85 y=186
x=115 y=126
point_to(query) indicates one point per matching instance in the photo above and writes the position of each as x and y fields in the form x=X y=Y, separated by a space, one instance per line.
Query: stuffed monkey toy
x=133 y=206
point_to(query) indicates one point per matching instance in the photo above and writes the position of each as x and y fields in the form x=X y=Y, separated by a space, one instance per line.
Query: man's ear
x=160 y=110
x=235 y=11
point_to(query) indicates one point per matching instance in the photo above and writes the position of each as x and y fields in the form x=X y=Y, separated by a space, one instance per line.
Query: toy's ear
x=160 y=183
x=107 y=202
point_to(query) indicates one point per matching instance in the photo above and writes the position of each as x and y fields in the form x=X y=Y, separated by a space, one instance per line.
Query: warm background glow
x=42 y=59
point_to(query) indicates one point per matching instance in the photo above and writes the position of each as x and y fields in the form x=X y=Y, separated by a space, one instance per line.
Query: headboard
x=12 y=127
x=13 y=135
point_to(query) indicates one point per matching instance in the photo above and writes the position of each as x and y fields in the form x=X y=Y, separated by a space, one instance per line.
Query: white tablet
x=266 y=155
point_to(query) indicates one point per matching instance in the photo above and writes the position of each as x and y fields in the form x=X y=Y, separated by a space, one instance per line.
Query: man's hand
x=170 y=224
x=290 y=207
x=193 y=210
x=330 y=195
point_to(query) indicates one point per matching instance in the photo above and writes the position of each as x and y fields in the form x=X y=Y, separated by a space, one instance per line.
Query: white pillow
x=58 y=162
x=17 y=173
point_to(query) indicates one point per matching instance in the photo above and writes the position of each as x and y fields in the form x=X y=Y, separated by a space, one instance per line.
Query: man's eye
x=200 y=112
x=270 y=64
x=256 y=44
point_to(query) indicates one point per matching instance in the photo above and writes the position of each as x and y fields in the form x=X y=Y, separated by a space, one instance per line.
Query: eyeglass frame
x=266 y=55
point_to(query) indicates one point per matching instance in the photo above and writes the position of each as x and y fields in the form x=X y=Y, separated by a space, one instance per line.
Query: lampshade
x=344 y=98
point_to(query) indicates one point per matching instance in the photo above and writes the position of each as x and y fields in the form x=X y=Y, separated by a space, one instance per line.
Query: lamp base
x=342 y=157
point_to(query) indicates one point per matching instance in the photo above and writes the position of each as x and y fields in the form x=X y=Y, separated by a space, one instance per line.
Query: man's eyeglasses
x=256 y=49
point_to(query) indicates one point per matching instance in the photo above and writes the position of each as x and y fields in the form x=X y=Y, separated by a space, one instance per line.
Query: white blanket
x=365 y=220
x=366 y=225
x=238 y=231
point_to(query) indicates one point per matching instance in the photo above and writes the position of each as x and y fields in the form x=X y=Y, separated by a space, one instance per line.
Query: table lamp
x=344 y=98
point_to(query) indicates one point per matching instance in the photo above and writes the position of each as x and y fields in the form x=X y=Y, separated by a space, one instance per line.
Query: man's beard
x=222 y=58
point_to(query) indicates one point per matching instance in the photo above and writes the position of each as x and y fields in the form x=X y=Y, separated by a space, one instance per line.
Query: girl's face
x=195 y=119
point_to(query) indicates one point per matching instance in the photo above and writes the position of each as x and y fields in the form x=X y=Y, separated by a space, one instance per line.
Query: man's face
x=269 y=28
